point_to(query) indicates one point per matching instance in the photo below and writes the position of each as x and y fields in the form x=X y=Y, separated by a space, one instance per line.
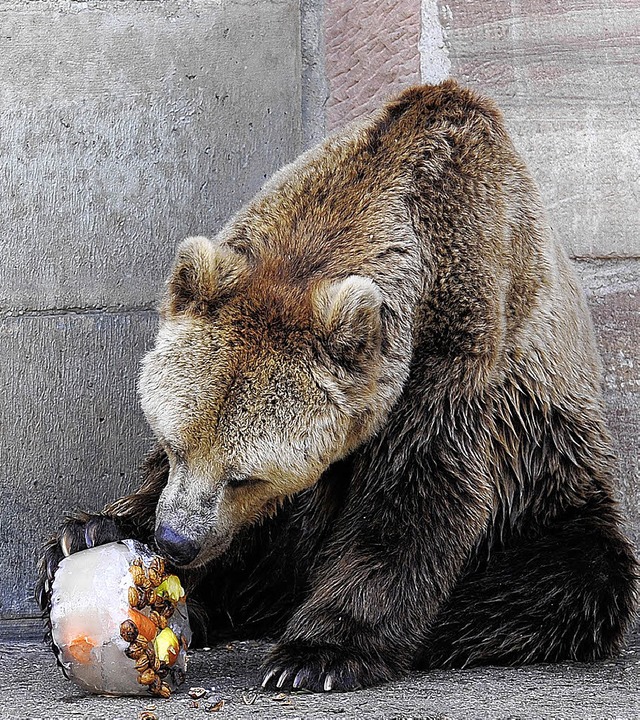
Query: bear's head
x=260 y=379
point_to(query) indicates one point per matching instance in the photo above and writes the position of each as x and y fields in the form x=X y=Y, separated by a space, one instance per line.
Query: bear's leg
x=129 y=517
x=394 y=553
x=568 y=594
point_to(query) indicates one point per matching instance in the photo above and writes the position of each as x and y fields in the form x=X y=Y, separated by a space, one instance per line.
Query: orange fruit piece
x=80 y=649
x=146 y=627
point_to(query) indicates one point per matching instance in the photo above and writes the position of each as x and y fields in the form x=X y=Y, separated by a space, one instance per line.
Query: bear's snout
x=180 y=550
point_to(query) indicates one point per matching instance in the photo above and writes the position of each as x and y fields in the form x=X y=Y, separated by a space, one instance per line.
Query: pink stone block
x=371 y=53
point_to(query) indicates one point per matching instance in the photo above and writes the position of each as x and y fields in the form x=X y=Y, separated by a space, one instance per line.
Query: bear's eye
x=240 y=481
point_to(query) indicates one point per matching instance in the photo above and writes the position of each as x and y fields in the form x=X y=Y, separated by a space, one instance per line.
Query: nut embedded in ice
x=112 y=626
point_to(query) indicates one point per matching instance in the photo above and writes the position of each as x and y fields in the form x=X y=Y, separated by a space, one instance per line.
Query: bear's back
x=429 y=199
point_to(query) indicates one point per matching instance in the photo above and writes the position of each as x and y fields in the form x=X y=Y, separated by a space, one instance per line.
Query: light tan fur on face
x=287 y=339
x=253 y=391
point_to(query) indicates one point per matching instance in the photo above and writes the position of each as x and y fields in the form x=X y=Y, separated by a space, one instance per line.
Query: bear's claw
x=100 y=530
x=79 y=532
x=322 y=668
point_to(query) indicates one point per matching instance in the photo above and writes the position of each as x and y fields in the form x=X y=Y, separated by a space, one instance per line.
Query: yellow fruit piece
x=167 y=646
x=171 y=588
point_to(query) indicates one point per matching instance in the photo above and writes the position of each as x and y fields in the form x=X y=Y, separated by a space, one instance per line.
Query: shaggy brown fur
x=377 y=399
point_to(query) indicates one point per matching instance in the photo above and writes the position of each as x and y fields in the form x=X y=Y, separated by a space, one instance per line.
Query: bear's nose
x=180 y=550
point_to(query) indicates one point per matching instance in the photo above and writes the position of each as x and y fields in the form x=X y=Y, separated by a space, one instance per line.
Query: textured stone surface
x=566 y=76
x=72 y=434
x=32 y=688
x=315 y=91
x=371 y=53
x=613 y=292
x=435 y=65
x=126 y=126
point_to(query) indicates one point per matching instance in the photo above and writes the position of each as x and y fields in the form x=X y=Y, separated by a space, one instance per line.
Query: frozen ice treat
x=120 y=621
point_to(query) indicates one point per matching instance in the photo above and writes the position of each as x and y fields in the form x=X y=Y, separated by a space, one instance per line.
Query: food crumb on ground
x=215 y=707
x=147 y=715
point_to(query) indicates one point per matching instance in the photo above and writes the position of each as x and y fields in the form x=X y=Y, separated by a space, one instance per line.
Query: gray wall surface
x=566 y=75
x=124 y=127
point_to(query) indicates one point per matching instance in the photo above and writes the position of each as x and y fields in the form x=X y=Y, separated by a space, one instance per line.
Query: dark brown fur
x=469 y=516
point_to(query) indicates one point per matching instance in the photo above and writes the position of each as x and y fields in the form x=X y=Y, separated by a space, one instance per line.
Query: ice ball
x=119 y=621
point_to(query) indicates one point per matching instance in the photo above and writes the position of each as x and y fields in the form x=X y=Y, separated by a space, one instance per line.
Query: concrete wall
x=125 y=126
x=128 y=124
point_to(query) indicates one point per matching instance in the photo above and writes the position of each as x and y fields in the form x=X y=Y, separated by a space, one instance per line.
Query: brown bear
x=377 y=403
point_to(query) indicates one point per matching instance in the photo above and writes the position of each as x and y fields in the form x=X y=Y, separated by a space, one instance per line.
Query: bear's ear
x=203 y=274
x=348 y=314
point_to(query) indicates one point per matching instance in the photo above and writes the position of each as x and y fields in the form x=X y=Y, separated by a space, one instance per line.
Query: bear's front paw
x=322 y=668
x=79 y=532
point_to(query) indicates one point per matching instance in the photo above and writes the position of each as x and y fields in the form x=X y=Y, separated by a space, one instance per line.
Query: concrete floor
x=31 y=687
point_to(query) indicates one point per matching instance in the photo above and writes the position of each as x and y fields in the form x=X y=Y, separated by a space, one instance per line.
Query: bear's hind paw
x=322 y=668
